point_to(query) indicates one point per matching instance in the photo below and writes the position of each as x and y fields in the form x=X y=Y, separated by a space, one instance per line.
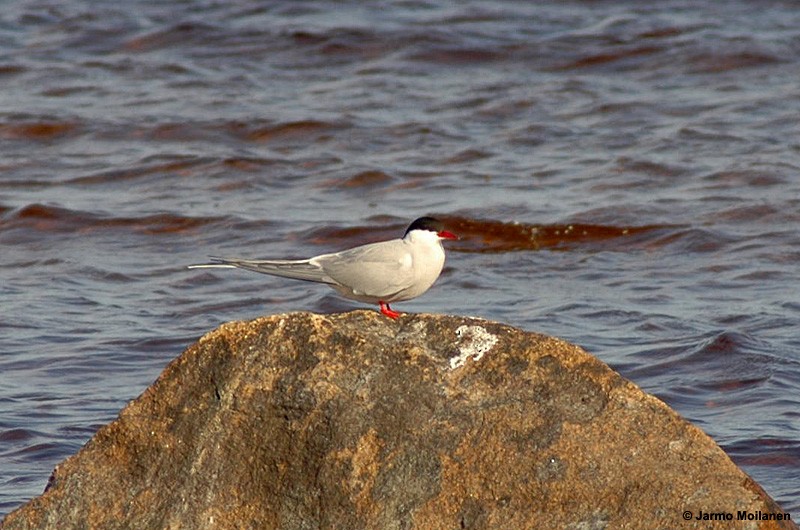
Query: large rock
x=354 y=421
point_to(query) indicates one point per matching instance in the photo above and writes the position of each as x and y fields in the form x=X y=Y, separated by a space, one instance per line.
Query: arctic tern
x=383 y=272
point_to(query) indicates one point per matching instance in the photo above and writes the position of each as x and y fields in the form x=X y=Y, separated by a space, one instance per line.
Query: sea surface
x=624 y=176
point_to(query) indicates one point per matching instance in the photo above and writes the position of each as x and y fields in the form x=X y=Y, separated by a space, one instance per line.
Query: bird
x=378 y=273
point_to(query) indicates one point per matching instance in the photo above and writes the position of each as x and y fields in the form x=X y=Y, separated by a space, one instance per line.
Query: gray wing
x=298 y=269
x=377 y=270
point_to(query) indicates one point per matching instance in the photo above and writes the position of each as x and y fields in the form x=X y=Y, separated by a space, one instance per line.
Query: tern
x=378 y=273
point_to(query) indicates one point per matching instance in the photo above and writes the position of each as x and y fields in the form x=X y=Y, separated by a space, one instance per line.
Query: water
x=624 y=177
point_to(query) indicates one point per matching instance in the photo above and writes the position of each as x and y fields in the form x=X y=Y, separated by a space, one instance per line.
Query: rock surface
x=353 y=421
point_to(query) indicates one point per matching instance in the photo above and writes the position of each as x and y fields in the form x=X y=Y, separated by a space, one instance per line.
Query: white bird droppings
x=474 y=342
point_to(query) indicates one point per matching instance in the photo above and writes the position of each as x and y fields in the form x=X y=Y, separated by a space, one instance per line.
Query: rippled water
x=625 y=177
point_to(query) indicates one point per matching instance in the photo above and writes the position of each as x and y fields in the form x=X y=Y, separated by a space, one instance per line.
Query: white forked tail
x=302 y=269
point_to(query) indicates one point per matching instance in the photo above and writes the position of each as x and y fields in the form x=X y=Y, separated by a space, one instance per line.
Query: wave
x=478 y=235
x=55 y=219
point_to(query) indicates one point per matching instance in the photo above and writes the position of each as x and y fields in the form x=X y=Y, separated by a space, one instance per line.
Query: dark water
x=625 y=177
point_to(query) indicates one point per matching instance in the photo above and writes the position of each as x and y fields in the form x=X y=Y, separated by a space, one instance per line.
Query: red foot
x=388 y=311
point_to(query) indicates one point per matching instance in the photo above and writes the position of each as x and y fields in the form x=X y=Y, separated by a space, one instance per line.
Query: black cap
x=425 y=223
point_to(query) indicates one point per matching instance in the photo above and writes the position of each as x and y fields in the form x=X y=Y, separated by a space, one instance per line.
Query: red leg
x=388 y=311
